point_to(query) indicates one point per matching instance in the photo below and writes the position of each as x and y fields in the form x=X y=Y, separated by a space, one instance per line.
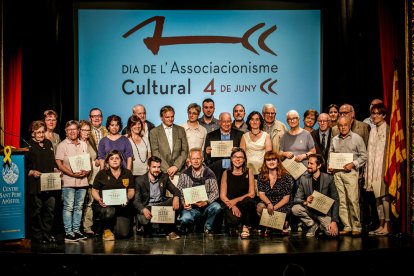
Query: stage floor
x=217 y=255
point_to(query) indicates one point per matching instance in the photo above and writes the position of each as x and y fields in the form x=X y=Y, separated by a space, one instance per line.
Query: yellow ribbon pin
x=7 y=153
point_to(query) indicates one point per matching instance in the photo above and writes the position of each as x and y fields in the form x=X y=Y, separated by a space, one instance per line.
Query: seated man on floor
x=322 y=182
x=198 y=174
x=151 y=189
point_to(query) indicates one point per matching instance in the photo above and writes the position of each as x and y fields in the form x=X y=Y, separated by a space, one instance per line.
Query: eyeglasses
x=71 y=129
x=344 y=112
x=269 y=113
x=323 y=121
x=292 y=119
x=86 y=130
x=96 y=116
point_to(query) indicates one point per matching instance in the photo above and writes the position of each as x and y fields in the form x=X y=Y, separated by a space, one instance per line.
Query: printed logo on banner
x=10 y=174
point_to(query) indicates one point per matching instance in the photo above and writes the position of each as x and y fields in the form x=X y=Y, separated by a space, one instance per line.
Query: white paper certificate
x=277 y=220
x=321 y=202
x=50 y=182
x=337 y=161
x=80 y=162
x=162 y=214
x=296 y=169
x=195 y=194
x=221 y=148
x=114 y=196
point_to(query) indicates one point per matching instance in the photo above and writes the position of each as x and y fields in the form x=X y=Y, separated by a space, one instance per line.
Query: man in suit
x=150 y=190
x=322 y=182
x=169 y=143
x=98 y=131
x=225 y=132
x=322 y=138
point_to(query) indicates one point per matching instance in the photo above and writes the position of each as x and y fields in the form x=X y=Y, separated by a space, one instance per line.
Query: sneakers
x=79 y=236
x=173 y=236
x=70 y=238
x=108 y=235
x=311 y=232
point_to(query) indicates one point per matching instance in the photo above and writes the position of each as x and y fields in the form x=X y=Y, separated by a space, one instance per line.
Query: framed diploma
x=221 y=148
x=277 y=220
x=337 y=161
x=114 y=196
x=296 y=169
x=195 y=194
x=80 y=162
x=50 y=182
x=321 y=202
x=162 y=214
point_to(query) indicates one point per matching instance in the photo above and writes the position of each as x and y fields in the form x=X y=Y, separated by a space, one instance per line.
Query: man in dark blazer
x=225 y=132
x=322 y=138
x=169 y=142
x=322 y=182
x=141 y=112
x=145 y=197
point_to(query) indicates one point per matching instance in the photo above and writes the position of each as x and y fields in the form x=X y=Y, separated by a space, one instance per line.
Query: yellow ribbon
x=7 y=153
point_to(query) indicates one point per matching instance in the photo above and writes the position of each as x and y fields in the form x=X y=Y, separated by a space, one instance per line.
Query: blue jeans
x=73 y=199
x=211 y=211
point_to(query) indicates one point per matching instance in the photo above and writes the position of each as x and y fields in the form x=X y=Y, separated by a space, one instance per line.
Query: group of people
x=147 y=165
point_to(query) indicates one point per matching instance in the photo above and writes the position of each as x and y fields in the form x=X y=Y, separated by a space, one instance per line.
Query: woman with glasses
x=255 y=142
x=84 y=135
x=374 y=172
x=75 y=183
x=115 y=141
x=50 y=118
x=40 y=159
x=275 y=187
x=237 y=194
x=309 y=119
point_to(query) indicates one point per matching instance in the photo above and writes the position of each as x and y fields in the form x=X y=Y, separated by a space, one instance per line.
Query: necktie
x=323 y=141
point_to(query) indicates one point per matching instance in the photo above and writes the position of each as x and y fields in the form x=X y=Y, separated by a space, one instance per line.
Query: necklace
x=139 y=155
x=255 y=134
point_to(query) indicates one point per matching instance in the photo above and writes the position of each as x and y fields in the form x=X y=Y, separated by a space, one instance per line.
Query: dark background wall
x=351 y=67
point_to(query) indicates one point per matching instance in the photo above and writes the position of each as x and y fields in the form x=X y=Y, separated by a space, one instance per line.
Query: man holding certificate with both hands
x=311 y=205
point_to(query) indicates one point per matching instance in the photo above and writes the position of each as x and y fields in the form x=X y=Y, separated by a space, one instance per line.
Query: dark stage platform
x=196 y=254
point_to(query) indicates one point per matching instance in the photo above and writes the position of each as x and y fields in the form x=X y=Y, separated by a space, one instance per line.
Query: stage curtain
x=12 y=100
x=390 y=61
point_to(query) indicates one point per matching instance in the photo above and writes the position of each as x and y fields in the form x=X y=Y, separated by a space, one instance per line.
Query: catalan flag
x=396 y=153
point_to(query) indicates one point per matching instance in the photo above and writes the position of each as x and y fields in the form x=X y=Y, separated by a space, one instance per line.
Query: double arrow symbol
x=269 y=86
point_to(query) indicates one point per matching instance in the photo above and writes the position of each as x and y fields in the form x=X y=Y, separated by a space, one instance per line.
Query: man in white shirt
x=196 y=133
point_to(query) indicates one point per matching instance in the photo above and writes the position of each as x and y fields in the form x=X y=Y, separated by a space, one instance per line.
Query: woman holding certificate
x=237 y=193
x=255 y=142
x=72 y=159
x=113 y=191
x=40 y=160
x=374 y=172
x=275 y=186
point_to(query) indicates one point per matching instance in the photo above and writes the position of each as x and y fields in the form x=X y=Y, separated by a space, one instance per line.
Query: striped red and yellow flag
x=396 y=153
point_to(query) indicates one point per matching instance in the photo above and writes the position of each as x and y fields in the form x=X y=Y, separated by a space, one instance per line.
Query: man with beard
x=322 y=182
x=207 y=120
x=151 y=189
x=238 y=115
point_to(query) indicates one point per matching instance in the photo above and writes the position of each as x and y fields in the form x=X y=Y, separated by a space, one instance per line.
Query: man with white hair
x=273 y=127
x=141 y=112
